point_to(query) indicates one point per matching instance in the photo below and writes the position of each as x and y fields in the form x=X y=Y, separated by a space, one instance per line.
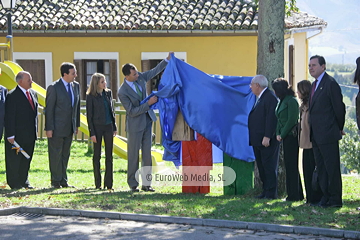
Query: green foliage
x=350 y=146
x=340 y=67
x=290 y=6
x=351 y=113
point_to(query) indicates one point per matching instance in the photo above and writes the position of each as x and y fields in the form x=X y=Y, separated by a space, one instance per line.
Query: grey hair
x=261 y=80
x=20 y=75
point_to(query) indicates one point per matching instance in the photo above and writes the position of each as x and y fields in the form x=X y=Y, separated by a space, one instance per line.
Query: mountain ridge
x=340 y=40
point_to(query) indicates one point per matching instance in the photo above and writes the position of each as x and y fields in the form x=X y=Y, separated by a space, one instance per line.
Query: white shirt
x=132 y=85
x=319 y=80
x=261 y=93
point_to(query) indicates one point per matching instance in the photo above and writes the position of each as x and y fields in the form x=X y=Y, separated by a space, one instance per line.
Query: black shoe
x=28 y=187
x=56 y=185
x=270 y=197
x=332 y=205
x=67 y=186
x=261 y=196
x=134 y=189
x=147 y=189
x=315 y=204
x=98 y=188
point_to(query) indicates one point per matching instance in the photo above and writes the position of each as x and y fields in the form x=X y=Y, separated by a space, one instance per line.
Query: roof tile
x=199 y=15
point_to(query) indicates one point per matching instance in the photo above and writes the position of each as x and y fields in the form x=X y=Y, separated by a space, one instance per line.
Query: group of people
x=19 y=114
x=274 y=119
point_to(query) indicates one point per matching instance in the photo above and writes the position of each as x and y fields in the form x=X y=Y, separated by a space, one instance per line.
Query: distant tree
x=350 y=146
x=351 y=113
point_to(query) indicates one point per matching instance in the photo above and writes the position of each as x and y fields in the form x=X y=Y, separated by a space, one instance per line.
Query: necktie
x=313 y=88
x=256 y=102
x=69 y=92
x=138 y=90
x=30 y=100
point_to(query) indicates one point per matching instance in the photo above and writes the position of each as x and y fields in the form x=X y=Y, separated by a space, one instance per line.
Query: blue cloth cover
x=215 y=106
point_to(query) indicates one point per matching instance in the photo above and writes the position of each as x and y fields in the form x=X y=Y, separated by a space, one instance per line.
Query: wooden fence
x=120 y=115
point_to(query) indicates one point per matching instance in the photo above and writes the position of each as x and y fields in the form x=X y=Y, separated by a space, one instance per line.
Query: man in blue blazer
x=21 y=126
x=139 y=119
x=327 y=119
x=262 y=135
x=62 y=119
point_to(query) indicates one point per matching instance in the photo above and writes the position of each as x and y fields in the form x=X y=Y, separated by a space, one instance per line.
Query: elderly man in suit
x=262 y=127
x=20 y=126
x=62 y=119
x=327 y=119
x=139 y=119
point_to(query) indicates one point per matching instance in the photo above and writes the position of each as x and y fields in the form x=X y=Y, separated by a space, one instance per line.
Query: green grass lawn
x=168 y=200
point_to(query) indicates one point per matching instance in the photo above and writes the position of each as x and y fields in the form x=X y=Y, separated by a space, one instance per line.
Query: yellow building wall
x=298 y=40
x=226 y=55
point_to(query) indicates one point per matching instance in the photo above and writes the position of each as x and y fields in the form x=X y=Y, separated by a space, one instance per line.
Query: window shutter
x=81 y=77
x=291 y=66
x=146 y=66
x=36 y=68
x=113 y=78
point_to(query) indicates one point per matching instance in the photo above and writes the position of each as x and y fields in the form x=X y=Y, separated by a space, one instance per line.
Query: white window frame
x=162 y=55
x=98 y=55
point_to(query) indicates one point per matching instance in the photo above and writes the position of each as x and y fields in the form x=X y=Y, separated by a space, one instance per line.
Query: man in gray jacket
x=62 y=119
x=139 y=119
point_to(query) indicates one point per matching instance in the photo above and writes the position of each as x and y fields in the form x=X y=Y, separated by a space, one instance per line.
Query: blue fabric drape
x=215 y=106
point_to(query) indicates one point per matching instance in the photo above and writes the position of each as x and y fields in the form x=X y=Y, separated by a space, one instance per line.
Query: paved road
x=34 y=226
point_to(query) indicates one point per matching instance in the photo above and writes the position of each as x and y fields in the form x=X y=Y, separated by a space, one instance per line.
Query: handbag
x=315 y=181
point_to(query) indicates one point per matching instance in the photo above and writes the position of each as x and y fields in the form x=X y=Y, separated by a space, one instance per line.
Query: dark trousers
x=106 y=132
x=17 y=166
x=291 y=160
x=136 y=141
x=308 y=170
x=327 y=159
x=267 y=159
x=59 y=153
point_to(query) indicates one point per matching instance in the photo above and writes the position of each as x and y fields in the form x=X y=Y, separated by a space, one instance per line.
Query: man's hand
x=266 y=142
x=11 y=140
x=114 y=133
x=49 y=134
x=169 y=56
x=278 y=137
x=342 y=132
x=93 y=139
x=152 y=100
x=76 y=131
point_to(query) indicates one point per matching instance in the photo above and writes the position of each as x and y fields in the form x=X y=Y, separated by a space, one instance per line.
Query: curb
x=185 y=220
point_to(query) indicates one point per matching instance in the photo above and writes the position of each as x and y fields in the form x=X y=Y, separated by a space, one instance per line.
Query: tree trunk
x=270 y=58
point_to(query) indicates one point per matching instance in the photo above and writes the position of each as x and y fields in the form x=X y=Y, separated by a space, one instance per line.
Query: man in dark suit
x=139 y=119
x=3 y=93
x=327 y=119
x=20 y=126
x=262 y=127
x=62 y=119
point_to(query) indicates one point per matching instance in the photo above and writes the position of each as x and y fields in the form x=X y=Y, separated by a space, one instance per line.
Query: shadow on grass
x=240 y=208
x=25 y=192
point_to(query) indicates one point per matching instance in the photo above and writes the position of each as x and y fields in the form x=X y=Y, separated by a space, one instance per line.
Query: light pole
x=8 y=5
